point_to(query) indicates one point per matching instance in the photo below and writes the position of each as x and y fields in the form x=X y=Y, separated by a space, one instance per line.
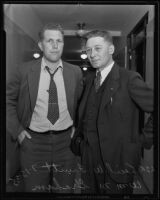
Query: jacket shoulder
x=28 y=65
x=67 y=64
x=72 y=67
x=129 y=74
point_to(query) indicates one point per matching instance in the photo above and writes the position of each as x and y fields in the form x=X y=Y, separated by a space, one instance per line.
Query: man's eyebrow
x=52 y=39
x=98 y=45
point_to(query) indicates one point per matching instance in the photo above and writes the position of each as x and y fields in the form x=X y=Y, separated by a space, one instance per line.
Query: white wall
x=17 y=44
x=23 y=16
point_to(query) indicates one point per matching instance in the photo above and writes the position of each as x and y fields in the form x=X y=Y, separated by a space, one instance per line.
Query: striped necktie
x=97 y=80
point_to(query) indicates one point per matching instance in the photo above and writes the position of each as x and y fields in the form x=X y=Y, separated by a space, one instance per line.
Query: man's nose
x=92 y=53
x=54 y=45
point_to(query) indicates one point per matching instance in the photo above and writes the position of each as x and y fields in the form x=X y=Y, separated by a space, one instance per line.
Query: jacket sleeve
x=143 y=96
x=140 y=92
x=148 y=133
x=13 y=125
x=79 y=91
x=78 y=137
x=80 y=85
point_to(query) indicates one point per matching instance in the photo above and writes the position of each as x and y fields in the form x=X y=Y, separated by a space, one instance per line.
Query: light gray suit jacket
x=22 y=90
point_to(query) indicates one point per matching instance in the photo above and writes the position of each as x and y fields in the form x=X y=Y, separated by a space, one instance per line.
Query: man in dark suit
x=42 y=99
x=107 y=138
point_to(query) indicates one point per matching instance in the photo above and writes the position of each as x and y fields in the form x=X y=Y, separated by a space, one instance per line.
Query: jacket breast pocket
x=117 y=112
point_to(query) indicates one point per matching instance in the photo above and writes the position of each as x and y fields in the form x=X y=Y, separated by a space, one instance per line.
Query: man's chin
x=53 y=60
x=96 y=66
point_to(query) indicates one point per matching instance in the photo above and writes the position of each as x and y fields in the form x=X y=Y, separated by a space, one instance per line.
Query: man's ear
x=111 y=49
x=40 y=46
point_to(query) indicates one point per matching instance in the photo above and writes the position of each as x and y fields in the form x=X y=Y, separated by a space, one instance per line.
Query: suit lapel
x=33 y=82
x=111 y=87
x=68 y=77
x=89 y=83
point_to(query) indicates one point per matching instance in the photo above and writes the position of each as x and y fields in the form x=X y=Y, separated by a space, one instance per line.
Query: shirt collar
x=43 y=64
x=107 y=69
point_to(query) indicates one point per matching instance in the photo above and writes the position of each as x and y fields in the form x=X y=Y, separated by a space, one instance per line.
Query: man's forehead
x=95 y=41
x=55 y=33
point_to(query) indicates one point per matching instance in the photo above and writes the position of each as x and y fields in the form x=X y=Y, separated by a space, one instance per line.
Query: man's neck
x=52 y=65
x=108 y=64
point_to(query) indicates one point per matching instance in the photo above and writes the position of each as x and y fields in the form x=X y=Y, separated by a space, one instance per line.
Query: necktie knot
x=51 y=74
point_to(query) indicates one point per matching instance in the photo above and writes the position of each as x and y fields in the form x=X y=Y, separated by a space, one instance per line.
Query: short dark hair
x=99 y=33
x=50 y=26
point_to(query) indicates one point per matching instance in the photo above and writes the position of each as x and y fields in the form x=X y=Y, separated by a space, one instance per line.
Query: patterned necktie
x=53 y=109
x=97 y=80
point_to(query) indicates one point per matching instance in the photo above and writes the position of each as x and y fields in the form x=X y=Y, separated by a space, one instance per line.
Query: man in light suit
x=107 y=138
x=42 y=99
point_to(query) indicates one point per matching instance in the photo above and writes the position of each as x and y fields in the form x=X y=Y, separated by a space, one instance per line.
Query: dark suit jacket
x=117 y=123
x=22 y=90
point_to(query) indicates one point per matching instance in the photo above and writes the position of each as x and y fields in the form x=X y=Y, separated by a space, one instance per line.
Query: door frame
x=133 y=42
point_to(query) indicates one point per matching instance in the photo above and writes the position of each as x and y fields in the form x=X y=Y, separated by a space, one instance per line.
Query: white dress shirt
x=105 y=72
x=39 y=121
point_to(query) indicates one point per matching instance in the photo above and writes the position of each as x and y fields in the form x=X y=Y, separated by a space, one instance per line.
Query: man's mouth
x=54 y=52
x=94 y=61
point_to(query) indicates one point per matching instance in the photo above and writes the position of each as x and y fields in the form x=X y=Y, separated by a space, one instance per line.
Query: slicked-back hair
x=50 y=26
x=99 y=33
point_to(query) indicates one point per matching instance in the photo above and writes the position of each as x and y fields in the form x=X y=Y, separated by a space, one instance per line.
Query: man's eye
x=88 y=51
x=97 y=48
x=59 y=41
x=49 y=40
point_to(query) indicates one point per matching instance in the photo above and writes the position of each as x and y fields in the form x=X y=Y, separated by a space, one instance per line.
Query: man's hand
x=22 y=135
x=72 y=133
